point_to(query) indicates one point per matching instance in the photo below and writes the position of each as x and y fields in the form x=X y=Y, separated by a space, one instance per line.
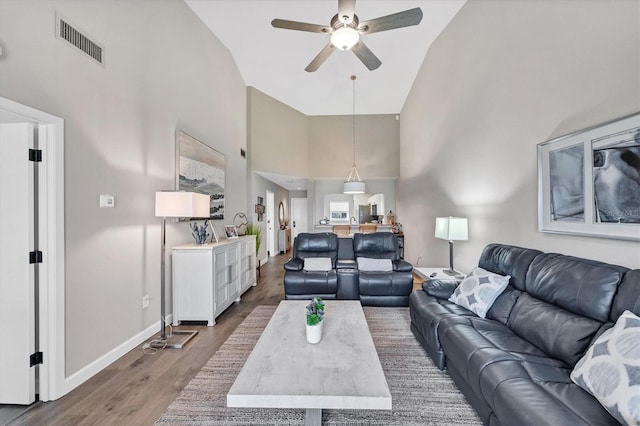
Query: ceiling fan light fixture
x=344 y=38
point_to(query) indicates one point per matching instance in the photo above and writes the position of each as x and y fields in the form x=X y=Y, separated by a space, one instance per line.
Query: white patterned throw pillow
x=610 y=369
x=479 y=290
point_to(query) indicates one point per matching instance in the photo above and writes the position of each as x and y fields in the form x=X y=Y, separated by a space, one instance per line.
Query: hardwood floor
x=137 y=388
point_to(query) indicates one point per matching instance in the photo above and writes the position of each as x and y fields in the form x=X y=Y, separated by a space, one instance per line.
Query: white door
x=299 y=221
x=271 y=239
x=17 y=277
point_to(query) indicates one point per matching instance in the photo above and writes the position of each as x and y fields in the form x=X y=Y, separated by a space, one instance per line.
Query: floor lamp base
x=174 y=340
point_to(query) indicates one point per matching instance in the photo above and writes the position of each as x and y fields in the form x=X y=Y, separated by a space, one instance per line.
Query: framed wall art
x=589 y=181
x=231 y=231
x=201 y=169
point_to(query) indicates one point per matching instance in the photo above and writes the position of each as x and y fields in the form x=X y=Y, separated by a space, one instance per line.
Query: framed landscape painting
x=201 y=169
x=589 y=181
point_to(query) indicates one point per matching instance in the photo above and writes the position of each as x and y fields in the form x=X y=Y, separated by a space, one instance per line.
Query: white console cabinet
x=208 y=278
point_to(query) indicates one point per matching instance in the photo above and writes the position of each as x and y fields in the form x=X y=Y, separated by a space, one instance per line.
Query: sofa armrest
x=294 y=265
x=402 y=265
x=440 y=288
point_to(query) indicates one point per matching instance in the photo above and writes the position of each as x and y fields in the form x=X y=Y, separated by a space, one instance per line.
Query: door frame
x=51 y=378
x=295 y=202
x=271 y=237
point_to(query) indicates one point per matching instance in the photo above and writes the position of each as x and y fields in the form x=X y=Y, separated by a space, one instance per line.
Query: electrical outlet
x=145 y=301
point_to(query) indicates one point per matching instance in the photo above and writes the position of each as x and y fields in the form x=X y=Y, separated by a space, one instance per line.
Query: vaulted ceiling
x=273 y=60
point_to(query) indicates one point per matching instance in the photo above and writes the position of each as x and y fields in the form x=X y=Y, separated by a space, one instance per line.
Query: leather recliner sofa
x=514 y=365
x=376 y=288
x=300 y=284
x=345 y=281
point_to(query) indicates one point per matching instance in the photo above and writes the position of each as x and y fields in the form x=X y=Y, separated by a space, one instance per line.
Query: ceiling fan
x=345 y=29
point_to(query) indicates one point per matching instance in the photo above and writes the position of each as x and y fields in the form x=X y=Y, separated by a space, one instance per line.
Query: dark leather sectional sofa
x=344 y=280
x=513 y=366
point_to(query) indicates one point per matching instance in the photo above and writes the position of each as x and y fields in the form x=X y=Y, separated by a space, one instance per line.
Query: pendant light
x=354 y=184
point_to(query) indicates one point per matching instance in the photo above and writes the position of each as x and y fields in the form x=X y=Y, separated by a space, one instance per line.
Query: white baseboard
x=84 y=374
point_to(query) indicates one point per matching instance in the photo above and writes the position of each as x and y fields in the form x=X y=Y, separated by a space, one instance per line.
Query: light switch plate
x=107 y=201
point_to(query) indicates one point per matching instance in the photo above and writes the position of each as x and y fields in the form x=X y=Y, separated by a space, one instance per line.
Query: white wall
x=501 y=78
x=164 y=70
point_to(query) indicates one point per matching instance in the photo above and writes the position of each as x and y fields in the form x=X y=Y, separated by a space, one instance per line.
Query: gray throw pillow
x=317 y=264
x=610 y=369
x=368 y=264
x=479 y=290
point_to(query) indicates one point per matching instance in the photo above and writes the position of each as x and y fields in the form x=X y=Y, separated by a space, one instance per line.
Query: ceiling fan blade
x=346 y=10
x=300 y=26
x=367 y=57
x=397 y=20
x=320 y=58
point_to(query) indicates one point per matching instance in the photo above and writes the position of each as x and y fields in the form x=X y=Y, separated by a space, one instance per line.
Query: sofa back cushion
x=508 y=260
x=554 y=330
x=324 y=244
x=377 y=245
x=627 y=297
x=581 y=286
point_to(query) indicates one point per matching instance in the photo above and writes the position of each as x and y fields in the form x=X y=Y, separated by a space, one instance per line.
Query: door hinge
x=35 y=155
x=35 y=359
x=35 y=256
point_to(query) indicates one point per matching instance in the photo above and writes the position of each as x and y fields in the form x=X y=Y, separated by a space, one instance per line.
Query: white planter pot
x=314 y=332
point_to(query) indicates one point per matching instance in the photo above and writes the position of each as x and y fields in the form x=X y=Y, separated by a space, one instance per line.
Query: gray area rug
x=422 y=394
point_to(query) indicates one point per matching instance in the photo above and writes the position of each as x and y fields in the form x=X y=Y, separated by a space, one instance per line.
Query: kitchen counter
x=353 y=228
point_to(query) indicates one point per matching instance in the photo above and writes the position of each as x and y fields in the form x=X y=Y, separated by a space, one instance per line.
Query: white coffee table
x=341 y=372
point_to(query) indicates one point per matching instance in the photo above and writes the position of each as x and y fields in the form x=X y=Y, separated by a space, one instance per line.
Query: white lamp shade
x=182 y=204
x=344 y=38
x=353 y=187
x=452 y=228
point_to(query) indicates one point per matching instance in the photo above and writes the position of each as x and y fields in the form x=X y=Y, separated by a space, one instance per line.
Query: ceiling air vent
x=70 y=33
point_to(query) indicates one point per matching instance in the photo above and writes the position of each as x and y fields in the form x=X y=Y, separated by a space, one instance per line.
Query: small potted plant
x=315 y=313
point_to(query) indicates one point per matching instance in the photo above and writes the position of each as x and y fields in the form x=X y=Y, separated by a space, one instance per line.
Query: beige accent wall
x=501 y=78
x=278 y=136
x=331 y=145
x=164 y=70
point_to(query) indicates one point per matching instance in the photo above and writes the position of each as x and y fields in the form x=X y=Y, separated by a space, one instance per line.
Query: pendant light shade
x=354 y=184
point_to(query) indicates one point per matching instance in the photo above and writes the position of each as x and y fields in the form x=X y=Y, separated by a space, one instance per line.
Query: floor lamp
x=452 y=229
x=176 y=204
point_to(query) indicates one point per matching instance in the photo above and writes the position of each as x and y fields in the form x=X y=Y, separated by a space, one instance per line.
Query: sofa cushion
x=628 y=295
x=440 y=288
x=379 y=245
x=479 y=290
x=317 y=264
x=610 y=370
x=508 y=260
x=426 y=313
x=369 y=264
x=584 y=287
x=530 y=393
x=502 y=307
x=558 y=332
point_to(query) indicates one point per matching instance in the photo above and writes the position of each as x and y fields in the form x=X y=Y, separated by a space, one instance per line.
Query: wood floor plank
x=137 y=388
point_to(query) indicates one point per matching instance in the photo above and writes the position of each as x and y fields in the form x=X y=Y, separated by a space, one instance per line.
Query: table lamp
x=451 y=228
x=178 y=204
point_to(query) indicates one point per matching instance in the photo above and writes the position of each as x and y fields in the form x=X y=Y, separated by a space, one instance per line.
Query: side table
x=426 y=273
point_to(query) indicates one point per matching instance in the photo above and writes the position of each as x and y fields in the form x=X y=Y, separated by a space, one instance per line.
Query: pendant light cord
x=353 y=78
